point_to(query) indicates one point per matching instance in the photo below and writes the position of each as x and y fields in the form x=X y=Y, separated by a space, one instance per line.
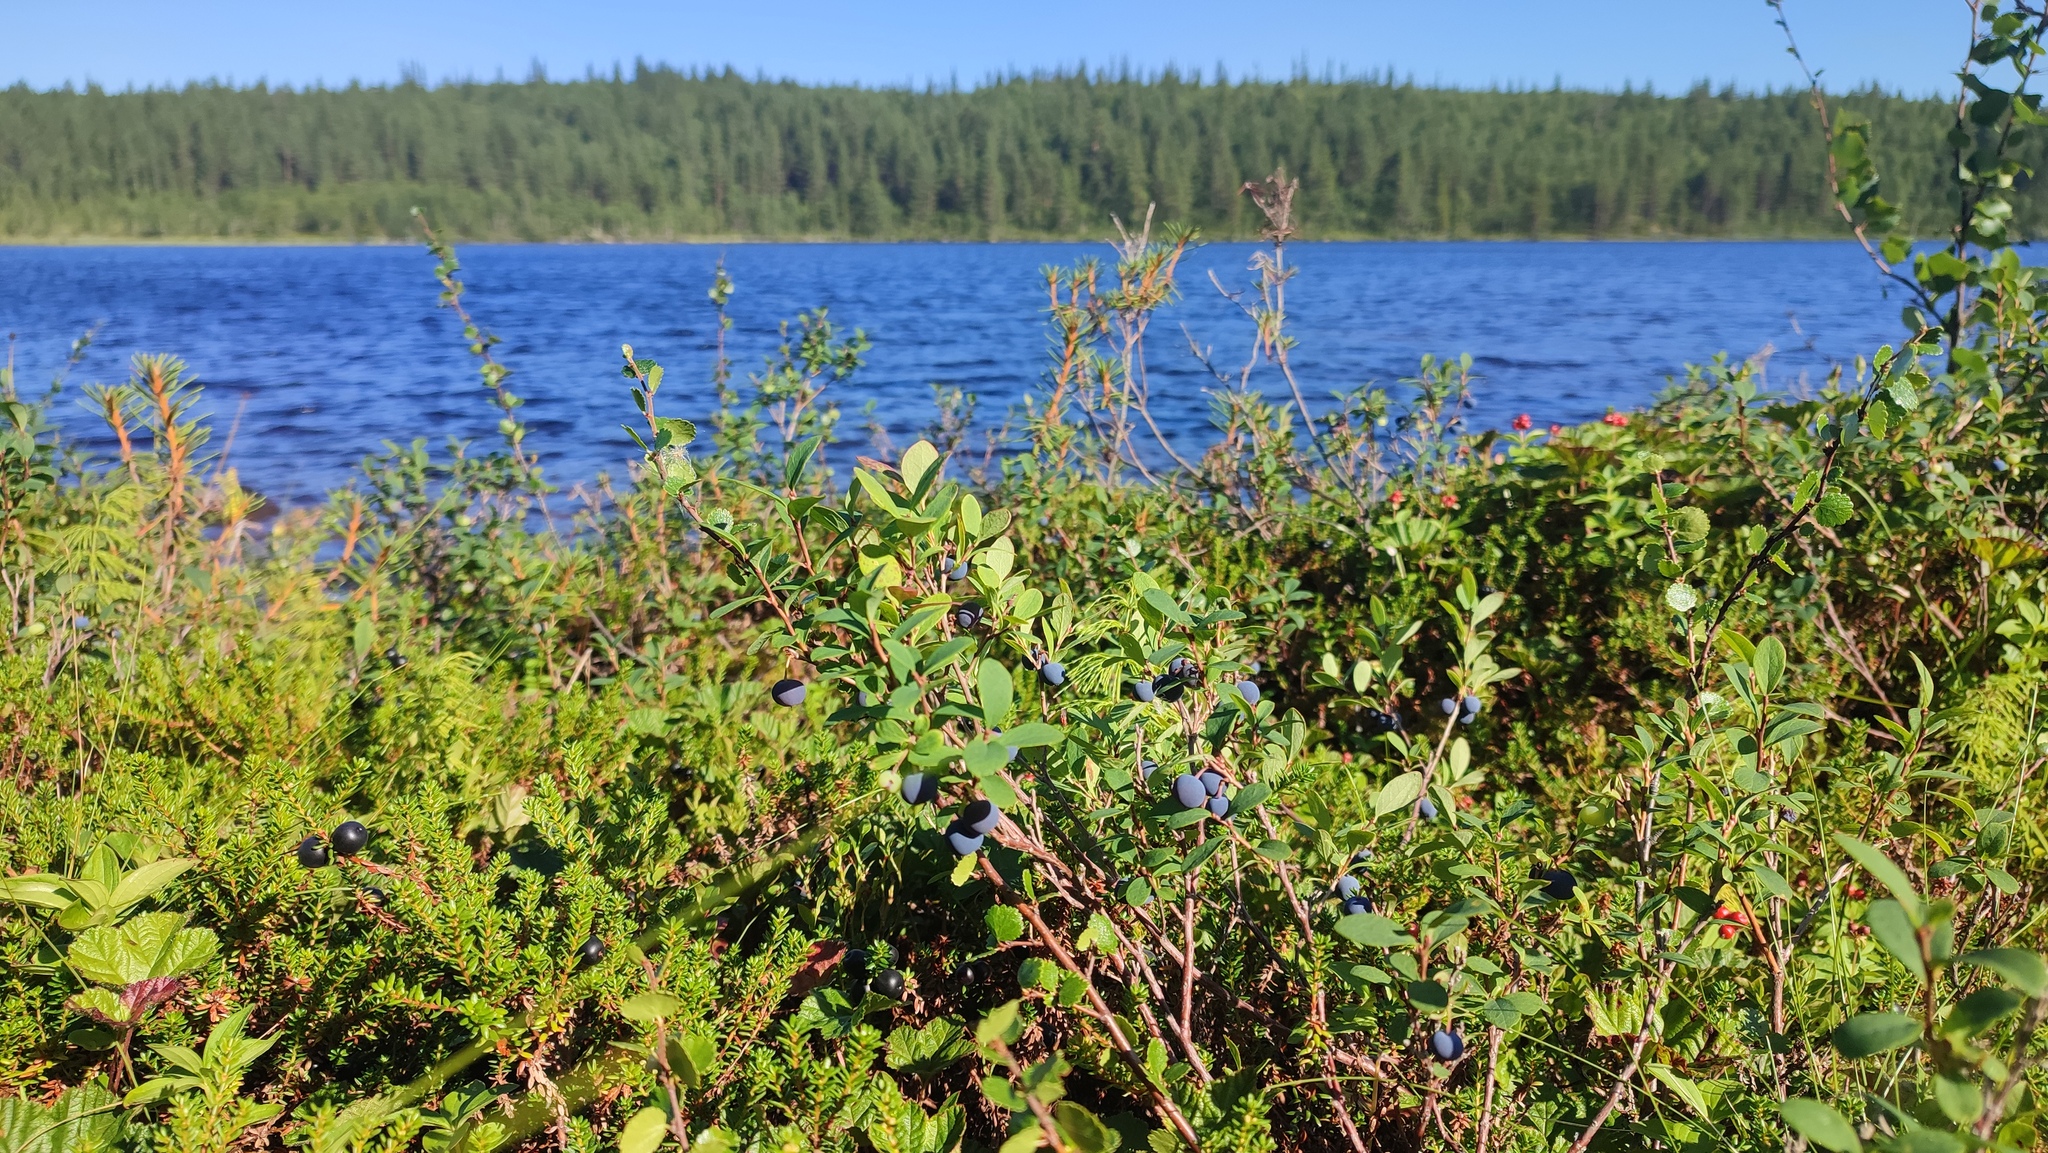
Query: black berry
x=887 y=983
x=312 y=852
x=592 y=951
x=1558 y=884
x=350 y=838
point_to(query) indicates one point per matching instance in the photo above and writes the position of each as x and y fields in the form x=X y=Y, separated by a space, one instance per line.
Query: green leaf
x=1894 y=930
x=917 y=461
x=1081 y=1130
x=1833 y=509
x=2023 y=967
x=1685 y=1087
x=1005 y=923
x=1681 y=597
x=1372 y=931
x=699 y=1054
x=151 y=945
x=1428 y=996
x=1275 y=850
x=992 y=681
x=1868 y=1034
x=645 y=1132
x=1397 y=794
x=1769 y=664
x=1001 y=1024
x=1250 y=797
x=1979 y=1011
x=1037 y=734
x=1166 y=607
x=1820 y=1125
x=147 y=881
x=1887 y=873
x=647 y=1008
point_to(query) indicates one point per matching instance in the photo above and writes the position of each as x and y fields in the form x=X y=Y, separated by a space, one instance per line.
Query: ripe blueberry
x=349 y=838
x=1249 y=691
x=592 y=951
x=964 y=843
x=1428 y=809
x=979 y=816
x=788 y=692
x=1472 y=704
x=1146 y=768
x=920 y=788
x=312 y=852
x=1347 y=887
x=1449 y=706
x=1188 y=790
x=1219 y=806
x=1468 y=718
x=1355 y=905
x=1446 y=1045
x=1055 y=673
x=864 y=699
x=1142 y=690
x=1171 y=687
x=887 y=983
x=1558 y=884
x=1361 y=856
x=967 y=618
x=1181 y=667
x=949 y=571
x=1212 y=783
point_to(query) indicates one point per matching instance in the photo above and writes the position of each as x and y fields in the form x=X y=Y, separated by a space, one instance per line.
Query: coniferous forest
x=662 y=154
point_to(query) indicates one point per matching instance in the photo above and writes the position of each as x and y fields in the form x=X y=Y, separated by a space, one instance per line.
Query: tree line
x=663 y=154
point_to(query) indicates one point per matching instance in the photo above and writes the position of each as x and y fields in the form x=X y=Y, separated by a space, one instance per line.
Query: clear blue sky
x=1913 y=45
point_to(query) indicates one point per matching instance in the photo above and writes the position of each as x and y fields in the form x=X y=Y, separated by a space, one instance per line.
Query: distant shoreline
x=700 y=242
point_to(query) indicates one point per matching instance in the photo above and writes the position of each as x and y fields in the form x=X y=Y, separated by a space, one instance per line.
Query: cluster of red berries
x=1730 y=919
x=1616 y=419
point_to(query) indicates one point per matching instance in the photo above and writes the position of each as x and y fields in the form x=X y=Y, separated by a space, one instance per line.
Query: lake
x=316 y=355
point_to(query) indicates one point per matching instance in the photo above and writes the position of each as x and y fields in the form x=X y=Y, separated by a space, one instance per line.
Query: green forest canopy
x=663 y=154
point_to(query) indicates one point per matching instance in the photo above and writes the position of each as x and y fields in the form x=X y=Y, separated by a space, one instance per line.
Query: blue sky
x=1911 y=45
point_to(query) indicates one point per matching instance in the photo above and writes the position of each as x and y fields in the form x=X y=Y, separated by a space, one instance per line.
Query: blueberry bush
x=1359 y=781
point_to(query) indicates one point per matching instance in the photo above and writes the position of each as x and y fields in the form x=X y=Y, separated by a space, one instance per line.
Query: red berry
x=1727 y=932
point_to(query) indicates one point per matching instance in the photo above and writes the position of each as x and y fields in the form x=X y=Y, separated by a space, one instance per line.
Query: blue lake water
x=317 y=355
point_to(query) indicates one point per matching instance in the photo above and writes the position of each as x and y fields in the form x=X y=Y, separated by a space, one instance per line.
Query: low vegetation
x=1359 y=781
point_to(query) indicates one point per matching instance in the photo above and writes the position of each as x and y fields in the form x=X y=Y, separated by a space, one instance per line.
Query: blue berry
x=1219 y=806
x=1448 y=1046
x=1472 y=704
x=979 y=816
x=1212 y=783
x=1188 y=790
x=1353 y=906
x=920 y=788
x=1428 y=809
x=964 y=843
x=1142 y=690
x=1450 y=706
x=787 y=692
x=1055 y=673
x=1249 y=691
x=1347 y=887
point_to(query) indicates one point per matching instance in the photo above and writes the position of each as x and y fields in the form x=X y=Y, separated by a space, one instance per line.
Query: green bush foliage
x=1358 y=781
